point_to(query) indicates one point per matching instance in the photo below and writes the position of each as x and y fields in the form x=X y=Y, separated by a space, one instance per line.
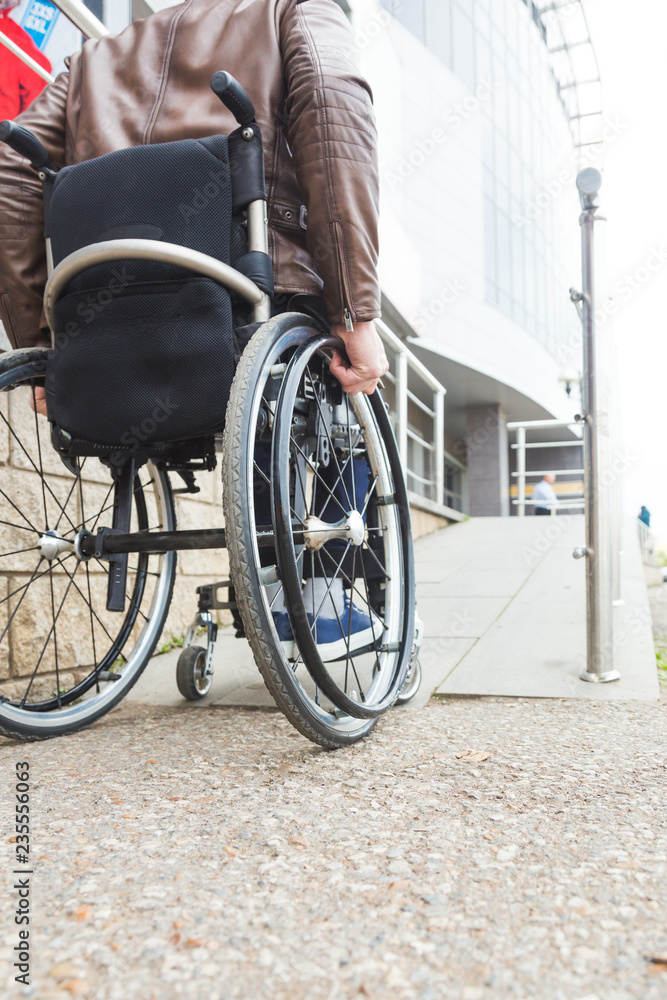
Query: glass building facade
x=527 y=150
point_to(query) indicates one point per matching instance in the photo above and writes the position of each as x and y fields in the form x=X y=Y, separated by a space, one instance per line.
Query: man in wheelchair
x=223 y=216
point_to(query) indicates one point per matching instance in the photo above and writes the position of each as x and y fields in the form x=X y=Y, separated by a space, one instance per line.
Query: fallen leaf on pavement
x=478 y=755
x=64 y=970
x=77 y=987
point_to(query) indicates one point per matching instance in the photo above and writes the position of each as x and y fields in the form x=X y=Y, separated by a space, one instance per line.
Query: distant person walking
x=645 y=516
x=19 y=86
x=544 y=494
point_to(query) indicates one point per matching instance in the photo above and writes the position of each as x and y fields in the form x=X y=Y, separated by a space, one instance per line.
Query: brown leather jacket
x=151 y=84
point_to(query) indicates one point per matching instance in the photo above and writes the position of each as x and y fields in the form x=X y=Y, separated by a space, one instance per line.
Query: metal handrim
x=392 y=663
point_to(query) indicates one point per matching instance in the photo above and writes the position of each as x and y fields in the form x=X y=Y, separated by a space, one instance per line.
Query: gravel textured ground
x=215 y=854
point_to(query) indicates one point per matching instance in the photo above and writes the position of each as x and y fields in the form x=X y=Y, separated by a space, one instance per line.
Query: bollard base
x=604 y=678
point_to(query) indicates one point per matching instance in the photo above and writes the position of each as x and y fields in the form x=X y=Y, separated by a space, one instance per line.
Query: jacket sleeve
x=333 y=139
x=22 y=251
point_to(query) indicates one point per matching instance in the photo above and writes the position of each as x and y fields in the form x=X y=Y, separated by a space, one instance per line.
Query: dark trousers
x=542 y=510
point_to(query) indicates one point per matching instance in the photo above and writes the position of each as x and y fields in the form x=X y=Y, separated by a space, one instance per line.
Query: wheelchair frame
x=114 y=544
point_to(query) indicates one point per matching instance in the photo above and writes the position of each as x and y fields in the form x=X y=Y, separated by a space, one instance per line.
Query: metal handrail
x=31 y=63
x=81 y=18
x=521 y=446
x=647 y=544
x=78 y=15
x=406 y=361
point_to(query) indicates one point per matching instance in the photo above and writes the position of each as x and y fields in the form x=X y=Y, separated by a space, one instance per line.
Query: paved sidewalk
x=504 y=606
x=213 y=854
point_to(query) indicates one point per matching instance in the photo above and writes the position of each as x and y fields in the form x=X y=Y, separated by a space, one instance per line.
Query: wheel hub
x=351 y=527
x=52 y=545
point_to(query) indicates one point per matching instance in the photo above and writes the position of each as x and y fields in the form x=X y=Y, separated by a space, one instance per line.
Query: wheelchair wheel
x=342 y=528
x=64 y=659
x=411 y=684
x=191 y=677
x=333 y=703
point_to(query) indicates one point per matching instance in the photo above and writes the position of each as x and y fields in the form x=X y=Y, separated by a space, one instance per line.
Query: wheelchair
x=166 y=359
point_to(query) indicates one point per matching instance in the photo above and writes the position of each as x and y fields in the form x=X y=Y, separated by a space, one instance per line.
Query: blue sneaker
x=284 y=630
x=332 y=642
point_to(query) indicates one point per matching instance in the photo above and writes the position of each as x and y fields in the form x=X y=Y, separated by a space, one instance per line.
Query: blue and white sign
x=39 y=21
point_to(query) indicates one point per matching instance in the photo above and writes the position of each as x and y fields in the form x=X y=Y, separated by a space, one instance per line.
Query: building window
x=411 y=14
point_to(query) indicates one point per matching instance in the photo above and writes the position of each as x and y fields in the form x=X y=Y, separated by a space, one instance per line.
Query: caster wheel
x=193 y=683
x=412 y=683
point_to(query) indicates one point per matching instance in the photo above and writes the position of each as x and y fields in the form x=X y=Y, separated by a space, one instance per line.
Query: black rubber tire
x=241 y=542
x=189 y=666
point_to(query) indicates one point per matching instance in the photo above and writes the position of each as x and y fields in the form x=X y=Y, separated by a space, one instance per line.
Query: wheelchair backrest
x=143 y=351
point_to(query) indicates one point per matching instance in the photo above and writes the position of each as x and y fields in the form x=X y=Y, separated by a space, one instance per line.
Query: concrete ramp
x=503 y=601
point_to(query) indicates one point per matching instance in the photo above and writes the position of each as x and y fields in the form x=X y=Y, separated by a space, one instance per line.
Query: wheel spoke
x=348 y=658
x=45 y=485
x=20 y=600
x=370 y=494
x=99 y=621
x=55 y=633
x=21 y=527
x=370 y=611
x=69 y=497
x=347 y=579
x=316 y=474
x=332 y=450
x=349 y=444
x=90 y=594
x=328 y=590
x=43 y=573
x=46 y=642
x=39 y=453
x=18 y=552
x=22 y=513
x=367 y=548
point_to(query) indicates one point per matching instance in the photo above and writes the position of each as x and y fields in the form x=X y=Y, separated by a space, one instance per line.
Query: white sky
x=629 y=39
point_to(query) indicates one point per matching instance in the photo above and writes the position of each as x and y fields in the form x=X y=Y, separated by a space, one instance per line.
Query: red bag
x=19 y=86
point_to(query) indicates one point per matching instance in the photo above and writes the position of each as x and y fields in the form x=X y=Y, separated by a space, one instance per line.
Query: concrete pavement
x=504 y=606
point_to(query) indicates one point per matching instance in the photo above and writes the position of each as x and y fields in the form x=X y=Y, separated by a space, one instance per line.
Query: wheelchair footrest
x=208 y=597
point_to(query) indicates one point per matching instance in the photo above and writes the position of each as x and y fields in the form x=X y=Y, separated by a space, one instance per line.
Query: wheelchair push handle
x=234 y=97
x=24 y=143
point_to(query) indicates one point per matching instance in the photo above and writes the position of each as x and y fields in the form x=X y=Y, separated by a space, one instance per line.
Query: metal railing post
x=81 y=17
x=402 y=406
x=521 y=470
x=25 y=58
x=439 y=442
x=598 y=550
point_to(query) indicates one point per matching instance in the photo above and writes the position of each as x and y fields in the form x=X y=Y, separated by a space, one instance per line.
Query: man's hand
x=38 y=401
x=367 y=358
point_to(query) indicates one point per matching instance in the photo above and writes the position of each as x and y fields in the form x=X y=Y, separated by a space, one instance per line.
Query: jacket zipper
x=347 y=314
